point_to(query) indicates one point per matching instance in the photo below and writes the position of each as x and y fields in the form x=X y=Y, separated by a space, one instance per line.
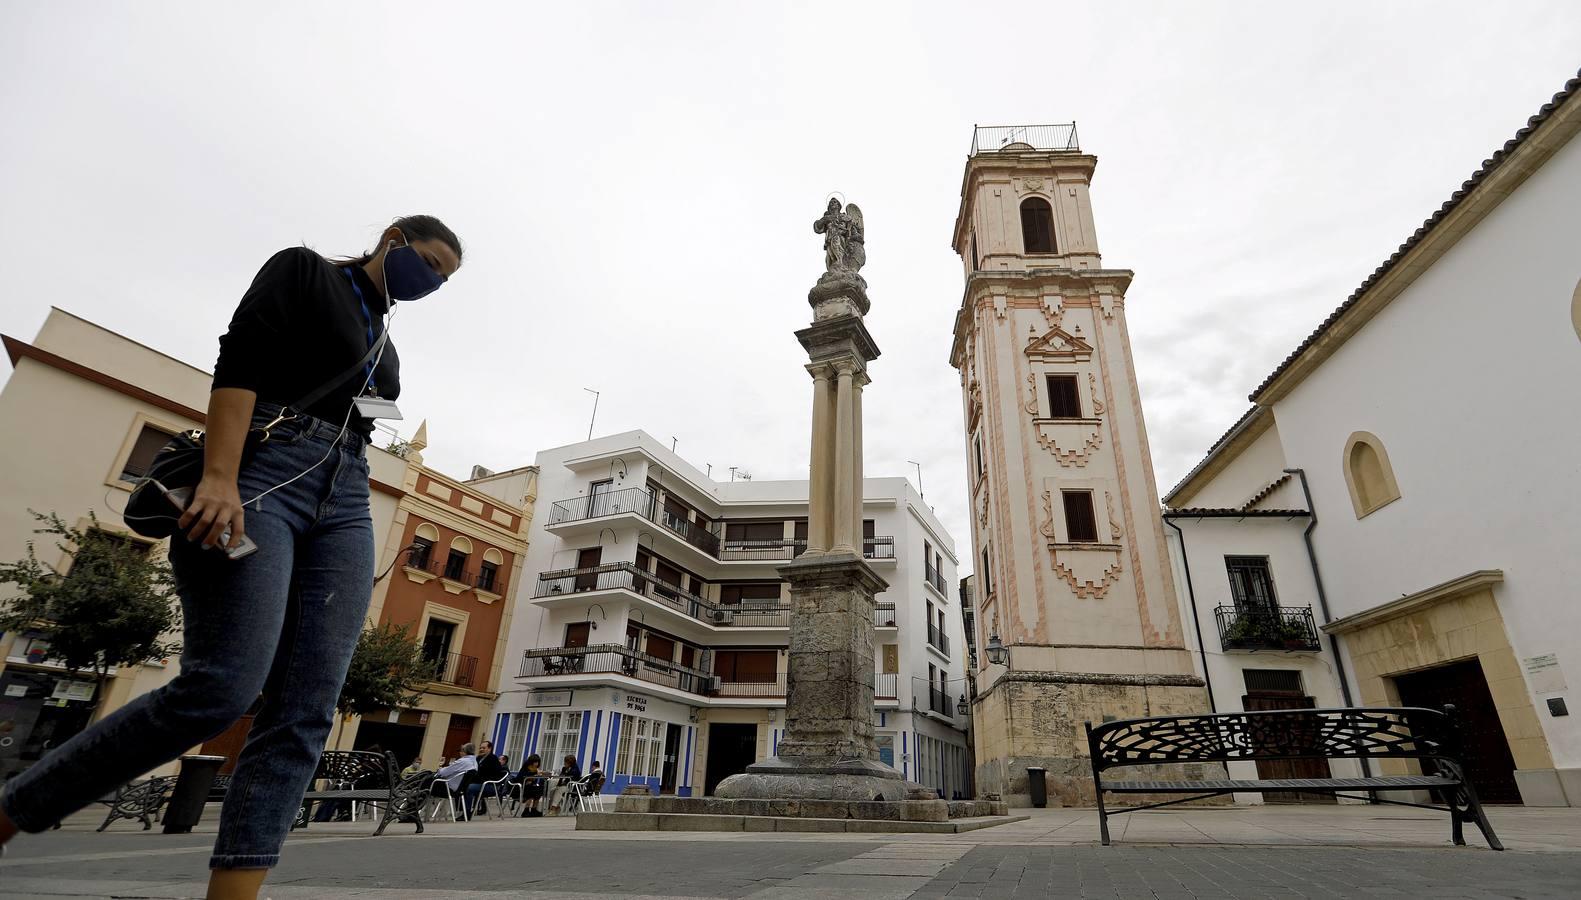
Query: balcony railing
x=480 y=578
x=883 y=615
x=627 y=576
x=938 y=638
x=457 y=669
x=755 y=688
x=488 y=580
x=886 y=686
x=995 y=138
x=614 y=659
x=876 y=547
x=642 y=502
x=933 y=577
x=939 y=702
x=1266 y=628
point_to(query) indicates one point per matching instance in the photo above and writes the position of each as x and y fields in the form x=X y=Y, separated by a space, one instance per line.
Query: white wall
x=1469 y=379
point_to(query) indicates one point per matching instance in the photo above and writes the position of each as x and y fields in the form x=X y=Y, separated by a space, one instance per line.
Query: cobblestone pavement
x=1168 y=855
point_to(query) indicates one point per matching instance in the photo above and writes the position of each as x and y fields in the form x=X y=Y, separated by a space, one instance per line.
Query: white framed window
x=641 y=748
x=561 y=732
x=516 y=739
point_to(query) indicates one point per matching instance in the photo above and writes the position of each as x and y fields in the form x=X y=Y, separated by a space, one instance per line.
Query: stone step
x=633 y=821
x=886 y=810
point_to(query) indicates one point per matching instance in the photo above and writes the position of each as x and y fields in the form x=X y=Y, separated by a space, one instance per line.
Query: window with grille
x=516 y=738
x=488 y=572
x=1081 y=525
x=1064 y=399
x=149 y=442
x=561 y=732
x=1273 y=681
x=641 y=746
x=455 y=565
x=1037 y=225
x=1251 y=583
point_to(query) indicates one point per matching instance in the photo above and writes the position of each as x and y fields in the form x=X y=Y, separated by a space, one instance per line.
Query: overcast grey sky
x=635 y=185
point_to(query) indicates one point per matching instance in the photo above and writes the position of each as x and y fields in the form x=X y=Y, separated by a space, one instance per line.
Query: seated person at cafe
x=531 y=780
x=568 y=773
x=455 y=774
x=489 y=769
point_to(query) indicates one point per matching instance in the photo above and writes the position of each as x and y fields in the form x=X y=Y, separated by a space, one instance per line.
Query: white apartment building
x=651 y=633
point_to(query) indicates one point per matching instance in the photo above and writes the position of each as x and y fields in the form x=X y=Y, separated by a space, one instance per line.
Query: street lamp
x=998 y=653
x=961 y=709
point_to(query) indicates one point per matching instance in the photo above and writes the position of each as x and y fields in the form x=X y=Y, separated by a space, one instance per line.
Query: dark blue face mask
x=407 y=276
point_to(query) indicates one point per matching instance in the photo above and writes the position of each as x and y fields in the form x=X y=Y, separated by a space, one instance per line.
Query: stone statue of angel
x=844 y=252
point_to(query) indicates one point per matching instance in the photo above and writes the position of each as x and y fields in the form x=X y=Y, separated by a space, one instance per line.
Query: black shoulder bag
x=179 y=464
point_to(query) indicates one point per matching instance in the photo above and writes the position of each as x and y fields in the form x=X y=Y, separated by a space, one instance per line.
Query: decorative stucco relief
x=1098 y=408
x=982 y=507
x=1059 y=344
x=1053 y=306
x=1047 y=528
x=1089 y=569
x=1072 y=441
x=1031 y=406
x=1115 y=531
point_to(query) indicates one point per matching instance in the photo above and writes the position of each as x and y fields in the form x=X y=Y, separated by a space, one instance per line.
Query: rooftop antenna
x=594 y=417
x=738 y=472
x=672 y=443
x=919 y=477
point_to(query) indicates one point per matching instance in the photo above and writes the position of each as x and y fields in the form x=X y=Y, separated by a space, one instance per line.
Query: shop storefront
x=637 y=738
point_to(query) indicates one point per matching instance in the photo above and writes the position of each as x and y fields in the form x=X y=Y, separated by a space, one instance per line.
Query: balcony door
x=598 y=498
x=437 y=640
x=672 y=754
x=1252 y=586
x=588 y=559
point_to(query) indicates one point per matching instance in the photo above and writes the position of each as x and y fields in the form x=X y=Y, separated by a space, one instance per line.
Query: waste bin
x=185 y=806
x=1037 y=784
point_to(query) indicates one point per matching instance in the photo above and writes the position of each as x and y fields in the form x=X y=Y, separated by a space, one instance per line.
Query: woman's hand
x=216 y=507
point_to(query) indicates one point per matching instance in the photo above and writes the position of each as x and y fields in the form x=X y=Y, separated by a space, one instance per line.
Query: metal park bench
x=1359 y=733
x=138 y=800
x=360 y=776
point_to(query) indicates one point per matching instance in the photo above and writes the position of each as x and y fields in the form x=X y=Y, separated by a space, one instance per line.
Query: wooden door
x=1288 y=768
x=588 y=559
x=460 y=732
x=1489 y=765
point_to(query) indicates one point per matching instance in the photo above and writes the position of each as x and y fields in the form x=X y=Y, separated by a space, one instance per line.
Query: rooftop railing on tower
x=1012 y=138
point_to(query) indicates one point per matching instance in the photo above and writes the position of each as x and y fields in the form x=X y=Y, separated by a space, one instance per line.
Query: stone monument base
x=636 y=813
x=782 y=778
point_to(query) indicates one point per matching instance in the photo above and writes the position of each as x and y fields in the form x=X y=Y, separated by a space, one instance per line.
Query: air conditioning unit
x=723 y=616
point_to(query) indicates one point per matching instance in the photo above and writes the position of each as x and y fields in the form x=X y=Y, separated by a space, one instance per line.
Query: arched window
x=489 y=570
x=1037 y=226
x=1368 y=474
x=422 y=550
x=456 y=562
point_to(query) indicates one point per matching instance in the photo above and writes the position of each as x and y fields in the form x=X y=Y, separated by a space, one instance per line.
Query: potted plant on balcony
x=1241 y=632
x=1293 y=633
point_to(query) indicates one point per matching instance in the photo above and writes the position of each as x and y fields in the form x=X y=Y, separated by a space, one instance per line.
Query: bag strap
x=323 y=390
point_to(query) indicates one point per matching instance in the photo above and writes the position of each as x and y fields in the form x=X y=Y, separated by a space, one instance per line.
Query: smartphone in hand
x=180 y=497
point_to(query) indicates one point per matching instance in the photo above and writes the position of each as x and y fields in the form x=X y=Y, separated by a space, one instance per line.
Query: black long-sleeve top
x=299 y=325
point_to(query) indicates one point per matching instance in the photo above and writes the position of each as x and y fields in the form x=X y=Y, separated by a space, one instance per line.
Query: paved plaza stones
x=1294 y=852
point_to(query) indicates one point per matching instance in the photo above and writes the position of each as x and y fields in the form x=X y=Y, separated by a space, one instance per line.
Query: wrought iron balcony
x=933 y=577
x=457 y=669
x=1266 y=628
x=614 y=659
x=1004 y=138
x=627 y=576
x=883 y=615
x=876 y=547
x=938 y=638
x=940 y=702
x=642 y=502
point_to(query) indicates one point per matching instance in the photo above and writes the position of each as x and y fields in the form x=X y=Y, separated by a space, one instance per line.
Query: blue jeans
x=282 y=622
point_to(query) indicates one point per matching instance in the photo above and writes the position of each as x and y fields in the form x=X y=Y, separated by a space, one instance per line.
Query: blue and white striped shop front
x=637 y=738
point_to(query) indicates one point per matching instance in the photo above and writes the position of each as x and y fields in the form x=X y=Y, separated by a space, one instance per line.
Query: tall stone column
x=828 y=751
x=820 y=482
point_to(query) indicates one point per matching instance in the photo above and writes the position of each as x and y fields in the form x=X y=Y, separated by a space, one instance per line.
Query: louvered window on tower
x=1037 y=225
x=1081 y=526
x=1064 y=401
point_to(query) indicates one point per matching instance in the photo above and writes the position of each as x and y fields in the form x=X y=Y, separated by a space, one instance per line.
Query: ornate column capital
x=820 y=371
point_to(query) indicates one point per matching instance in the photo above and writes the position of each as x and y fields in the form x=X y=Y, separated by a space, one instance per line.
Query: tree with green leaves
x=388 y=671
x=114 y=605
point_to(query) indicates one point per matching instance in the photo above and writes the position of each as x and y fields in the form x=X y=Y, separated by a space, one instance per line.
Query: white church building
x=1406 y=490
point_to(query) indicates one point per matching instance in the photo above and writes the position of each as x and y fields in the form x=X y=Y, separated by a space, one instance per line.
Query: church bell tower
x=1077 y=609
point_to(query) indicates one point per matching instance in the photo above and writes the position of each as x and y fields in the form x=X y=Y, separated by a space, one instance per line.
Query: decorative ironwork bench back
x=1402 y=732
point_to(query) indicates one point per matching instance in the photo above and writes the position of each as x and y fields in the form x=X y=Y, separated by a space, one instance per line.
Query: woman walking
x=283 y=620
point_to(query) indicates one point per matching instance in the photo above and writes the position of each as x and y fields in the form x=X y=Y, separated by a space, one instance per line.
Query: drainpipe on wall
x=1317 y=579
x=1191 y=594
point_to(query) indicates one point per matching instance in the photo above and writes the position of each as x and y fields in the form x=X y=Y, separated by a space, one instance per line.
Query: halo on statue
x=833 y=194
